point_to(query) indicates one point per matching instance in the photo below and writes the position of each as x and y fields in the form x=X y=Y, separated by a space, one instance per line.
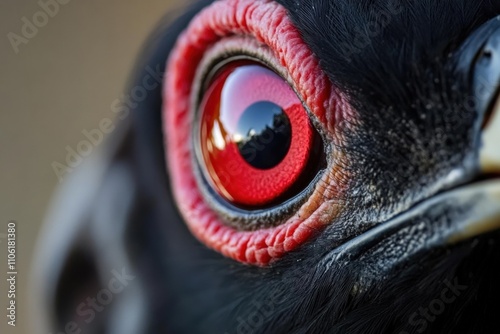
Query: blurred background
x=57 y=81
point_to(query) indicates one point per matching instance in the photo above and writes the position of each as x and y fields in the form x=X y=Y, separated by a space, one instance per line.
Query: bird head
x=317 y=166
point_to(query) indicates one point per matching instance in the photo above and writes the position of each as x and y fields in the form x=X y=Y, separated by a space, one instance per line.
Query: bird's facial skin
x=257 y=235
x=404 y=194
x=471 y=208
x=387 y=153
x=386 y=200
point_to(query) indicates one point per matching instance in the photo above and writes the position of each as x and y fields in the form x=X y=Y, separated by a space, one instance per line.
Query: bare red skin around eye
x=268 y=23
x=241 y=84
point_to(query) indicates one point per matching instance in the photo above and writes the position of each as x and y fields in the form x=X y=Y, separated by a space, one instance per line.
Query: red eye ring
x=255 y=137
x=267 y=23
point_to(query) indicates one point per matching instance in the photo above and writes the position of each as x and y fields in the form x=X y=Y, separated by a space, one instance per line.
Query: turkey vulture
x=314 y=166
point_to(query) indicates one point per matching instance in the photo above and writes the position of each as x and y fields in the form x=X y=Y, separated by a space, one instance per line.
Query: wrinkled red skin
x=268 y=23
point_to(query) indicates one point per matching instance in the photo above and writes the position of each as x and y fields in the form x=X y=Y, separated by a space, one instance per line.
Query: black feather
x=391 y=81
x=394 y=61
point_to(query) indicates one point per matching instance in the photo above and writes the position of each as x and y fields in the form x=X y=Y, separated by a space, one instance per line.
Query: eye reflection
x=256 y=146
x=263 y=135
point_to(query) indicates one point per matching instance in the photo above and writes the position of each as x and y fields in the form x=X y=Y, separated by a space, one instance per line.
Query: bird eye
x=256 y=145
x=252 y=124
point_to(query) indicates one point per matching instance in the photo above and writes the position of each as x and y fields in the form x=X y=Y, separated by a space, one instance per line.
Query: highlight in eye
x=256 y=141
x=247 y=165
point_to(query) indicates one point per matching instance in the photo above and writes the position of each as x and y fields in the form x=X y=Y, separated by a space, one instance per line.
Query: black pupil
x=263 y=135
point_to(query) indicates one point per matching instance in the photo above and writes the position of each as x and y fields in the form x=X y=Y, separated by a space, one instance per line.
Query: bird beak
x=489 y=155
x=487 y=89
x=485 y=78
x=488 y=218
x=466 y=213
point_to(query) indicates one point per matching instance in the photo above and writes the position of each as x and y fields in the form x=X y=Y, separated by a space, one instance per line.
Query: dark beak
x=457 y=215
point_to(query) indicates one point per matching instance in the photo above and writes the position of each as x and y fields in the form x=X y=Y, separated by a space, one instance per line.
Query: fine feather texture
x=392 y=70
x=412 y=129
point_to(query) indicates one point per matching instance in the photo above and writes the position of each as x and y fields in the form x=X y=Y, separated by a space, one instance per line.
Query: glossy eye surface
x=256 y=145
x=248 y=168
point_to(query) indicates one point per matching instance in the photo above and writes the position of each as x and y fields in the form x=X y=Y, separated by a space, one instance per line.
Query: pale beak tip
x=490 y=151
